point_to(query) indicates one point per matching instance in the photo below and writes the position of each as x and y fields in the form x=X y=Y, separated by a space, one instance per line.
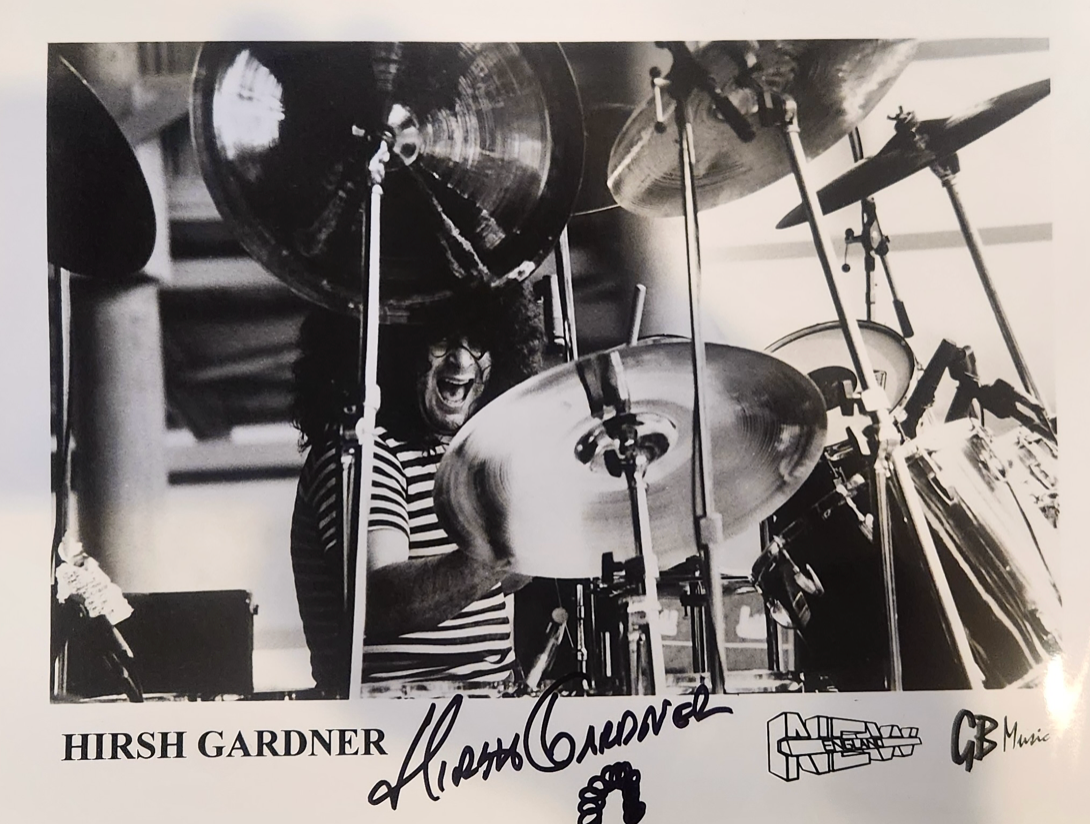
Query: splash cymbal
x=531 y=470
x=101 y=221
x=835 y=84
x=487 y=144
x=917 y=146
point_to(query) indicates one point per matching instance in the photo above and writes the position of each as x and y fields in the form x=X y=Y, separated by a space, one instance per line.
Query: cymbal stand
x=60 y=305
x=684 y=77
x=889 y=463
x=644 y=610
x=357 y=459
x=946 y=169
x=563 y=303
x=628 y=443
x=562 y=257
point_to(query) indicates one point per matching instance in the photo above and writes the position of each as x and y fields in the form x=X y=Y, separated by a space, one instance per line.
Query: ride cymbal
x=101 y=221
x=531 y=471
x=835 y=84
x=916 y=146
x=487 y=157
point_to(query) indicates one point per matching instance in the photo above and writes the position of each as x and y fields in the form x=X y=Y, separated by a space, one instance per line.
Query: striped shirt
x=476 y=644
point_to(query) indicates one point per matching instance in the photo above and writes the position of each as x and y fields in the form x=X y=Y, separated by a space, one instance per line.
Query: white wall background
x=1005 y=181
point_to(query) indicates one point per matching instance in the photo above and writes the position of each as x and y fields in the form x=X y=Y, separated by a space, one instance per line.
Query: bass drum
x=820 y=353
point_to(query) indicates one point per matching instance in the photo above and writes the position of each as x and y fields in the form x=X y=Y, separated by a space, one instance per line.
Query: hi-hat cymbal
x=835 y=84
x=487 y=145
x=915 y=148
x=530 y=471
x=101 y=221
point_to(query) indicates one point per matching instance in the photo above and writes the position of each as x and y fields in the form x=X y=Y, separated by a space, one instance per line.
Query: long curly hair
x=504 y=320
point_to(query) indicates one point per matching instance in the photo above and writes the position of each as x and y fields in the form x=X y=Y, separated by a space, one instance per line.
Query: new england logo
x=823 y=744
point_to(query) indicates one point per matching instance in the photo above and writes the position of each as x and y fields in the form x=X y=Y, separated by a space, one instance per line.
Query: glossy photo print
x=876 y=503
x=697 y=402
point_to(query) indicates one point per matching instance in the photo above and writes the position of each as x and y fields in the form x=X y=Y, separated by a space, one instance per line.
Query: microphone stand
x=874 y=241
x=946 y=169
x=855 y=140
x=889 y=462
x=358 y=441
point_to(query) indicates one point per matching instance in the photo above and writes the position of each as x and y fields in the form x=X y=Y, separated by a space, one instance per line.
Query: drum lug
x=808 y=581
x=1032 y=462
x=981 y=447
x=933 y=476
x=780 y=615
x=793 y=583
x=846 y=489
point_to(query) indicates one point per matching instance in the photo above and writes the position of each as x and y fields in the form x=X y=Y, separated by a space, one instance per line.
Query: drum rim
x=824 y=326
x=870 y=325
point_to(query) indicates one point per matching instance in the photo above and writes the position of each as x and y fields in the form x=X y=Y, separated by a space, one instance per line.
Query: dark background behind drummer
x=433 y=375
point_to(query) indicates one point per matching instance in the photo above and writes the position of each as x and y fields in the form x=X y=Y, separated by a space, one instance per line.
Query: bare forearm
x=419 y=594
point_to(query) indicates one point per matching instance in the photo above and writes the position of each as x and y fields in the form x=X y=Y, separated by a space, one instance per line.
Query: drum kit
x=374 y=178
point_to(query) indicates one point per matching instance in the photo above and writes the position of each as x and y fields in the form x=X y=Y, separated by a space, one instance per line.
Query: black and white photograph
x=700 y=398
x=466 y=279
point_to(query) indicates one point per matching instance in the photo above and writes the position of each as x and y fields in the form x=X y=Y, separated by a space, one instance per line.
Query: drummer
x=435 y=610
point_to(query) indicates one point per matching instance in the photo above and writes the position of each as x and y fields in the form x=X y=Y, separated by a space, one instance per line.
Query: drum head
x=821 y=353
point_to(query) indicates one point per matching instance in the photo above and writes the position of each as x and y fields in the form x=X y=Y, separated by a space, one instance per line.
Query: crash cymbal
x=917 y=146
x=835 y=84
x=487 y=159
x=100 y=217
x=531 y=470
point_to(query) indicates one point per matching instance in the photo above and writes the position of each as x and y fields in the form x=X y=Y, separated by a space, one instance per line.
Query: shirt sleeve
x=389 y=490
x=319 y=577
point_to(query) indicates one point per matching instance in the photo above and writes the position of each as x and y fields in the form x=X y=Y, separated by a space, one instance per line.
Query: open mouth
x=454 y=391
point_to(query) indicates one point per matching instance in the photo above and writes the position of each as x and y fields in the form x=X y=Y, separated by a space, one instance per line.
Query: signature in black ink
x=620 y=776
x=979 y=744
x=538 y=745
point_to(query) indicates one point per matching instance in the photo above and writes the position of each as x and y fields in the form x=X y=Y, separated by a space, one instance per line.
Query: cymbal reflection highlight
x=519 y=475
x=487 y=145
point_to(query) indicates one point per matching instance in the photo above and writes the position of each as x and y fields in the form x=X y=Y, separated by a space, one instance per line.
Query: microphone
x=1005 y=401
x=553 y=635
x=923 y=396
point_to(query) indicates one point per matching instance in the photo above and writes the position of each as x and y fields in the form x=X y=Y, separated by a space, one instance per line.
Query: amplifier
x=188 y=644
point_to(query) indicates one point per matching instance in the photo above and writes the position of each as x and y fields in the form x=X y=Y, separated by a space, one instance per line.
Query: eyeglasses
x=441 y=348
